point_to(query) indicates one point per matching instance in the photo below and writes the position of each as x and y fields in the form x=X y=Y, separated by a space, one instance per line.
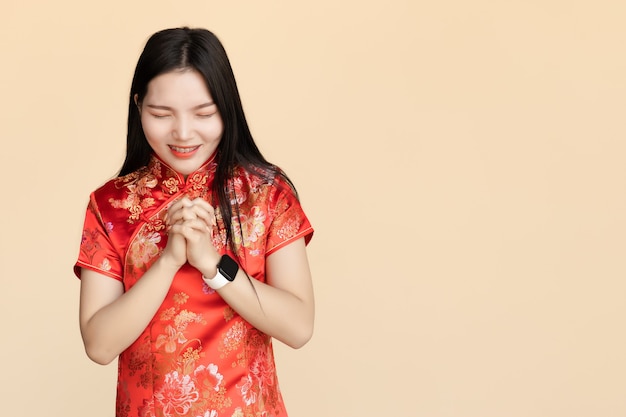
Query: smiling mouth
x=183 y=150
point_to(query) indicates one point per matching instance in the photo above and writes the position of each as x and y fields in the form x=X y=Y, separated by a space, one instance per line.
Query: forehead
x=180 y=86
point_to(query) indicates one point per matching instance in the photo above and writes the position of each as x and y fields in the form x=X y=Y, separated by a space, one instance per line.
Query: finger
x=201 y=202
x=185 y=211
x=205 y=211
x=190 y=227
x=181 y=202
x=173 y=212
x=188 y=213
x=182 y=230
x=199 y=209
x=197 y=224
x=207 y=216
x=173 y=217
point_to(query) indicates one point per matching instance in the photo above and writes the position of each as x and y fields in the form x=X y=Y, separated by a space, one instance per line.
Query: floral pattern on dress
x=143 y=249
x=90 y=243
x=259 y=388
x=91 y=247
x=189 y=386
x=248 y=228
x=177 y=394
x=139 y=197
x=197 y=357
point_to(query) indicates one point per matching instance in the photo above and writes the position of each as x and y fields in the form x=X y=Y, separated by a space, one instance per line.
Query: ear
x=136 y=99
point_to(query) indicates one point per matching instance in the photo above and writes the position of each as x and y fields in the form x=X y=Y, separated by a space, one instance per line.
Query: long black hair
x=198 y=49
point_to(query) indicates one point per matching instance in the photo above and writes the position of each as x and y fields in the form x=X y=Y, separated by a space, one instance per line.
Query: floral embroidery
x=177 y=394
x=211 y=413
x=147 y=409
x=197 y=185
x=139 y=189
x=229 y=313
x=174 y=334
x=249 y=228
x=170 y=339
x=185 y=317
x=171 y=185
x=90 y=242
x=257 y=387
x=168 y=314
x=180 y=298
x=196 y=345
x=247 y=391
x=289 y=229
x=219 y=238
x=233 y=338
x=213 y=374
x=144 y=248
x=237 y=195
x=139 y=357
x=123 y=407
x=105 y=265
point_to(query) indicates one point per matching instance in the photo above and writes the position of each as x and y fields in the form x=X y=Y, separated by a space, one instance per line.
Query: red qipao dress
x=197 y=357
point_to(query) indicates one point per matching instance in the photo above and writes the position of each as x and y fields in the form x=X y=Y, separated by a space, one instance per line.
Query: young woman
x=194 y=258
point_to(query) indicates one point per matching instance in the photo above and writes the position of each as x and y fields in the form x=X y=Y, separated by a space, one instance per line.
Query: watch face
x=228 y=267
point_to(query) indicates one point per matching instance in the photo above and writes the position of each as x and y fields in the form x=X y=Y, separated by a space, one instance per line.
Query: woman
x=194 y=258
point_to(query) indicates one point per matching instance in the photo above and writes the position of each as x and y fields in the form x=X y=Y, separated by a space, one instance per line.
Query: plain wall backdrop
x=462 y=163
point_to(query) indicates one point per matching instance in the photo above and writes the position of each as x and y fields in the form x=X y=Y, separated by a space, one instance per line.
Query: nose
x=182 y=129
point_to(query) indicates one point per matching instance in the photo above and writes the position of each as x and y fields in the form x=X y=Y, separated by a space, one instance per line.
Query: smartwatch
x=227 y=269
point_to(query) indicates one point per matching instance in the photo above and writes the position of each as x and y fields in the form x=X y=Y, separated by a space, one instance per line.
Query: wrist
x=167 y=265
x=225 y=272
x=209 y=269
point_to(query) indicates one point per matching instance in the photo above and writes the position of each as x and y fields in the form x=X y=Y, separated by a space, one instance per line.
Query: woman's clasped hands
x=191 y=224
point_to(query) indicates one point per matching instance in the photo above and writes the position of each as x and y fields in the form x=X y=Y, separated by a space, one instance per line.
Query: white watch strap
x=217 y=282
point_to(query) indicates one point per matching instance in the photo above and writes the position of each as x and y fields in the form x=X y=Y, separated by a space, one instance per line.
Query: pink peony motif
x=263 y=370
x=215 y=378
x=247 y=390
x=176 y=395
x=144 y=248
x=254 y=225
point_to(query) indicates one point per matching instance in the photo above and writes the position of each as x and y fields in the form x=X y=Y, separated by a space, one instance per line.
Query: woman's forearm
x=108 y=330
x=283 y=308
x=274 y=311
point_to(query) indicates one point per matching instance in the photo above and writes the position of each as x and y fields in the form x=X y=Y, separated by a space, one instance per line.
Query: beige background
x=462 y=162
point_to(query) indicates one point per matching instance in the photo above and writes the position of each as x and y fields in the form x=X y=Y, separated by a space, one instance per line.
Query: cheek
x=215 y=130
x=153 y=131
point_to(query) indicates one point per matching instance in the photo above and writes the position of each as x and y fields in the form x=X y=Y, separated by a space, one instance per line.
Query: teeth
x=183 y=150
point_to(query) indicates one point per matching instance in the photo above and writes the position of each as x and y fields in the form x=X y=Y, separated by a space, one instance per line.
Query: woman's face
x=180 y=120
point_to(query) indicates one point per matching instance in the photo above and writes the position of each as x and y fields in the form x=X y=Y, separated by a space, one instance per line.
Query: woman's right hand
x=175 y=252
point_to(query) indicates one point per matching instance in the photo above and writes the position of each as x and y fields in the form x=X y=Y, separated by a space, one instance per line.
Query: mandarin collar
x=172 y=182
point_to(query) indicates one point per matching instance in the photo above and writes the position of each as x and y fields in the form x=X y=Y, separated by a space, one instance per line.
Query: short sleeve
x=97 y=252
x=289 y=223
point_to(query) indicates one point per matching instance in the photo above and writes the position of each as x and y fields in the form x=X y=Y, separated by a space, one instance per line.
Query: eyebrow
x=198 y=107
